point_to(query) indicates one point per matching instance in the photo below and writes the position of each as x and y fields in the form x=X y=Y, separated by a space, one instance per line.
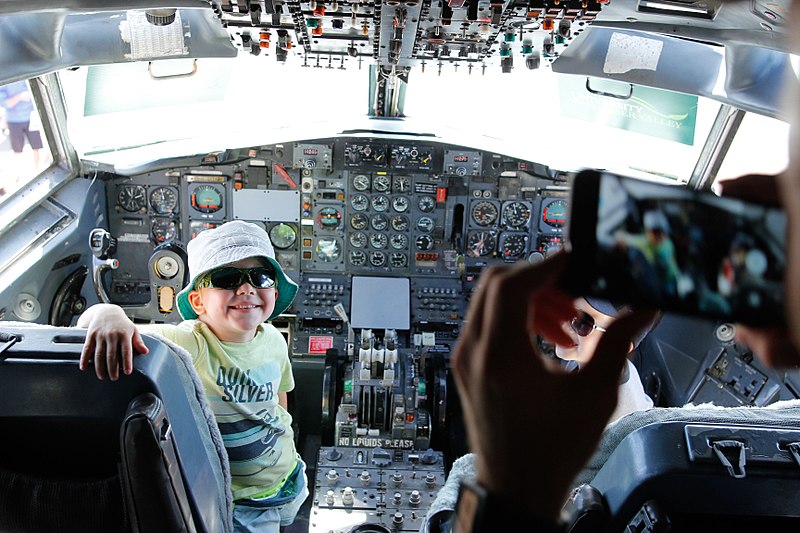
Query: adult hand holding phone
x=514 y=399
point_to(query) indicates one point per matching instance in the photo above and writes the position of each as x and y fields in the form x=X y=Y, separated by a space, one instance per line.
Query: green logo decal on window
x=655 y=112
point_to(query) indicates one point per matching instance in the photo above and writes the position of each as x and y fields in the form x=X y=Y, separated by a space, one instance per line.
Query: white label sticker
x=629 y=52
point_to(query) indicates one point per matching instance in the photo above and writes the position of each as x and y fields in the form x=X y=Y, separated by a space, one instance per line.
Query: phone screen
x=677 y=249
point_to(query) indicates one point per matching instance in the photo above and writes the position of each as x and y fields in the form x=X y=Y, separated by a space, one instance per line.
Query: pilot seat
x=691 y=468
x=78 y=454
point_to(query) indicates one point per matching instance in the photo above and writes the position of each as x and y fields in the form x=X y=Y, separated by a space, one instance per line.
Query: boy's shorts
x=270 y=514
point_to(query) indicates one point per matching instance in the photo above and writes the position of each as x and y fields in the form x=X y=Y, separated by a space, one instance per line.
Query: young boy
x=236 y=286
x=587 y=329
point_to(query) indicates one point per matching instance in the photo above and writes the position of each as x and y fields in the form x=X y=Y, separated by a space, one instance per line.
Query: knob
x=428 y=457
x=333 y=454
x=347 y=496
x=332 y=476
x=430 y=480
x=397 y=519
x=414 y=499
x=329 y=497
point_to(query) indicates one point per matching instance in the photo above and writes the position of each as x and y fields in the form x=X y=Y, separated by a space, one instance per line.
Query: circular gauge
x=380 y=203
x=132 y=198
x=425 y=224
x=377 y=259
x=480 y=243
x=400 y=204
x=328 y=250
x=207 y=199
x=361 y=182
x=381 y=183
x=424 y=243
x=359 y=221
x=329 y=218
x=359 y=202
x=402 y=183
x=398 y=259
x=163 y=200
x=358 y=239
x=398 y=241
x=426 y=204
x=378 y=240
x=399 y=223
x=379 y=222
x=167 y=267
x=516 y=214
x=164 y=229
x=535 y=257
x=484 y=213
x=513 y=245
x=554 y=214
x=358 y=258
x=283 y=235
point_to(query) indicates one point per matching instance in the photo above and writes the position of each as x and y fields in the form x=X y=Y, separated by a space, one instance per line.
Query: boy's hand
x=111 y=339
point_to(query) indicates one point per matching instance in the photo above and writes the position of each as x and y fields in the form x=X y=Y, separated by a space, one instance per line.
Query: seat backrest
x=80 y=454
x=692 y=466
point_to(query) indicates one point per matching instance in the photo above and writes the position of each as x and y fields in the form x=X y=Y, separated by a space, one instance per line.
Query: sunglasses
x=232 y=277
x=584 y=324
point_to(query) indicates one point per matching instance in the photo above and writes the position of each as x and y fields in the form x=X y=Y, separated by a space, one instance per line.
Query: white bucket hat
x=226 y=244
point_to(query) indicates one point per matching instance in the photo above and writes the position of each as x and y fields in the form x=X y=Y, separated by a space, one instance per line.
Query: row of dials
x=509 y=245
x=516 y=214
x=380 y=155
x=163 y=200
x=330 y=218
x=381 y=183
x=134 y=199
x=398 y=203
x=329 y=250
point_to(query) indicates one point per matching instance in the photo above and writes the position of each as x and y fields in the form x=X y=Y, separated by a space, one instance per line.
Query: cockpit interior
x=393 y=150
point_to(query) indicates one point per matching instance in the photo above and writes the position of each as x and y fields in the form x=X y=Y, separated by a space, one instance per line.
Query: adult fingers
x=772 y=345
x=471 y=334
x=759 y=188
x=508 y=304
x=551 y=309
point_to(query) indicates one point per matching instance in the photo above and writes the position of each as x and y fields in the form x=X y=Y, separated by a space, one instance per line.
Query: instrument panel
x=335 y=209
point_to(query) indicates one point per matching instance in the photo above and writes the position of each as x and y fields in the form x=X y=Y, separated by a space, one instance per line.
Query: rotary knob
x=160 y=17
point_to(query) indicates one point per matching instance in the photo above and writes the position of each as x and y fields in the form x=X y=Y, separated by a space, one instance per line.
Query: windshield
x=559 y=120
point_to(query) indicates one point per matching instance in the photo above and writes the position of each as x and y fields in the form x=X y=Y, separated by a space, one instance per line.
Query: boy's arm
x=283 y=400
x=110 y=340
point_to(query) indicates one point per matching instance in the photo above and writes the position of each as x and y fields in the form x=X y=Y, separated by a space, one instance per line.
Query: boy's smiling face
x=234 y=314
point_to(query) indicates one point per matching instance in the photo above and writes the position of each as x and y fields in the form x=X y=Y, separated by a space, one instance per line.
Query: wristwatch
x=479 y=511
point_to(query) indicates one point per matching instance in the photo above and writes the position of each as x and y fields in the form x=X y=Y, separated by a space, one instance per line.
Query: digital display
x=381 y=303
x=460 y=159
x=685 y=251
x=310 y=151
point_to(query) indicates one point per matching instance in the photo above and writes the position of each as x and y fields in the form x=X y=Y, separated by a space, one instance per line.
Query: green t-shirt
x=242 y=381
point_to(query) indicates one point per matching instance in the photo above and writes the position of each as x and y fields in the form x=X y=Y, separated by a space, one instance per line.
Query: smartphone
x=664 y=246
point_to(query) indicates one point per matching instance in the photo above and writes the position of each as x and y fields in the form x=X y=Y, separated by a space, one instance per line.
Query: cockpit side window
x=24 y=148
x=760 y=146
